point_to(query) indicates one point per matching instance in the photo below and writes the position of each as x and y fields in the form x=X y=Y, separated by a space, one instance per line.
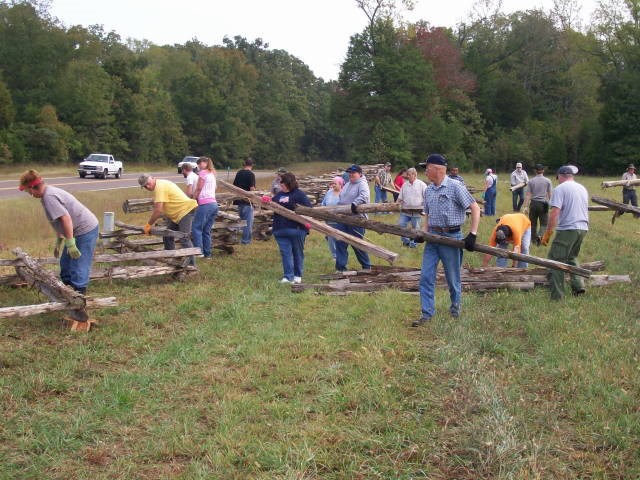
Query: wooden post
x=415 y=234
x=320 y=226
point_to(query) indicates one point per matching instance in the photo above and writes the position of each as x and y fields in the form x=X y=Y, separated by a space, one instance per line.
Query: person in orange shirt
x=511 y=228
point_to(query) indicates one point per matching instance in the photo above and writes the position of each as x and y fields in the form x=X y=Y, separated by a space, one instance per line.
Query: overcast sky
x=315 y=31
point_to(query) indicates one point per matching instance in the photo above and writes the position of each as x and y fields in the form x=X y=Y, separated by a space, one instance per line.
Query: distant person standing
x=331 y=199
x=205 y=195
x=629 y=191
x=170 y=202
x=455 y=175
x=381 y=181
x=536 y=203
x=490 y=192
x=289 y=234
x=518 y=177
x=569 y=216
x=275 y=184
x=398 y=181
x=446 y=202
x=75 y=225
x=411 y=201
x=354 y=193
x=191 y=179
x=246 y=180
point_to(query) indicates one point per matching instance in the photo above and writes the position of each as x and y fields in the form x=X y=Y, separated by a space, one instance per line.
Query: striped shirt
x=447 y=203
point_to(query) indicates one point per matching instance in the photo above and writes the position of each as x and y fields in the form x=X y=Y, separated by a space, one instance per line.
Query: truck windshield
x=98 y=158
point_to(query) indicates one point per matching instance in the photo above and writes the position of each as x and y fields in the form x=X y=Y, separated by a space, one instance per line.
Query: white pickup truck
x=100 y=165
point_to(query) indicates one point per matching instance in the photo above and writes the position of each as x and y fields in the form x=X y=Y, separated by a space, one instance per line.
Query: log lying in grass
x=319 y=226
x=473 y=279
x=620 y=183
x=415 y=234
x=28 y=310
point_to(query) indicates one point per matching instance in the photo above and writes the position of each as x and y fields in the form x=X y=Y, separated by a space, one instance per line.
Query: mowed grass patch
x=230 y=375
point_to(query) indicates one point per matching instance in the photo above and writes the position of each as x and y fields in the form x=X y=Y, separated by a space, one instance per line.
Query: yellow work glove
x=56 y=247
x=147 y=229
x=72 y=250
x=546 y=237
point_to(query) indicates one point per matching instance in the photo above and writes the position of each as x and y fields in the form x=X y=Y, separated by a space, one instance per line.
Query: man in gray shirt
x=354 y=193
x=569 y=216
x=75 y=225
x=536 y=203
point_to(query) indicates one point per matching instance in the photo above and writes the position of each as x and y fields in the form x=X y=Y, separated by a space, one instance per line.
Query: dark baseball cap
x=354 y=168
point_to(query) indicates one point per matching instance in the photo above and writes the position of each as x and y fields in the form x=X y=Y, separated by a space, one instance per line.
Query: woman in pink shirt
x=207 y=210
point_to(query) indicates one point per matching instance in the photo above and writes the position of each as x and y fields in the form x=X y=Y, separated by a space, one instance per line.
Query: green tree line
x=494 y=90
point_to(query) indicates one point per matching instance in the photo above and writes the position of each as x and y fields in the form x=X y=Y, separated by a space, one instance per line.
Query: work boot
x=420 y=321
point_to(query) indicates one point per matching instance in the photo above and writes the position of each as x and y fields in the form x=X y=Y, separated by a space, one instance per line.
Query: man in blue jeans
x=75 y=225
x=246 y=180
x=446 y=201
x=354 y=193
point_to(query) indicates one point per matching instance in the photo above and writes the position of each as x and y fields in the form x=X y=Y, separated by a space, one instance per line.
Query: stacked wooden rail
x=407 y=279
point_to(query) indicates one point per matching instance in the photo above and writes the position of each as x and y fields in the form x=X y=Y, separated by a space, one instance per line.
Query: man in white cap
x=518 y=177
x=569 y=216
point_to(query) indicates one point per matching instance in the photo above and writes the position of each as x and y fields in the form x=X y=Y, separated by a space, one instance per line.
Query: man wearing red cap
x=75 y=225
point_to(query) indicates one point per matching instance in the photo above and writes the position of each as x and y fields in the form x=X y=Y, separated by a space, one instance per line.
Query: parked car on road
x=191 y=160
x=100 y=165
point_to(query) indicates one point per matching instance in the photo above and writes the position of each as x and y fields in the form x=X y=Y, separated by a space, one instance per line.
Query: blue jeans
x=381 y=195
x=291 y=244
x=76 y=273
x=246 y=213
x=490 y=201
x=202 y=225
x=524 y=248
x=517 y=198
x=331 y=241
x=184 y=226
x=342 y=254
x=415 y=221
x=451 y=258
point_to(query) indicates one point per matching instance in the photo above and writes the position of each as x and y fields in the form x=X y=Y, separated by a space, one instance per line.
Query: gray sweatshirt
x=357 y=193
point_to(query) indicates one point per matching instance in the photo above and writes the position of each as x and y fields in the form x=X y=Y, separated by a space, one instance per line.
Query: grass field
x=229 y=375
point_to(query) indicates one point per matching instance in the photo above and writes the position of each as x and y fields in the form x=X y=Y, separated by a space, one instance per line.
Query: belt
x=445 y=229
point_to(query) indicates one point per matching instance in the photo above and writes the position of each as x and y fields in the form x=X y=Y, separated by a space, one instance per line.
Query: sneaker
x=297 y=279
x=285 y=280
x=420 y=321
x=366 y=270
